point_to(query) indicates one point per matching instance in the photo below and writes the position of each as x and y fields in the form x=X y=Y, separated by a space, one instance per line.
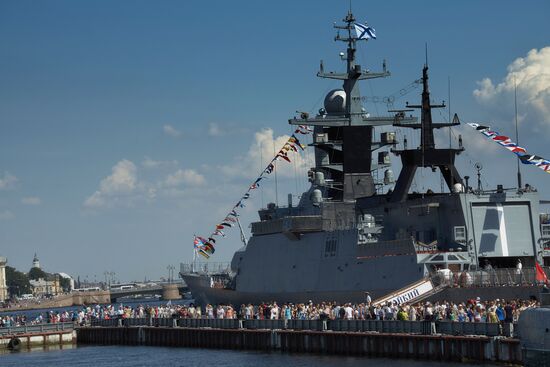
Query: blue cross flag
x=364 y=32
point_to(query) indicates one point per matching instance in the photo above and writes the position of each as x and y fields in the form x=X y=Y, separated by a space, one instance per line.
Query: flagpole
x=243 y=237
x=194 y=256
x=276 y=183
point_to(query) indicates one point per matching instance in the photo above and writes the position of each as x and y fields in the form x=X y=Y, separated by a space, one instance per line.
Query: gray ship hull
x=204 y=294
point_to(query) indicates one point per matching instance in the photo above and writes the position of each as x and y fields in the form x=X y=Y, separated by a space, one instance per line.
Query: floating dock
x=22 y=337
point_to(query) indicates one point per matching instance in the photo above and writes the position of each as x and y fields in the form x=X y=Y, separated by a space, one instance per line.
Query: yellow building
x=43 y=287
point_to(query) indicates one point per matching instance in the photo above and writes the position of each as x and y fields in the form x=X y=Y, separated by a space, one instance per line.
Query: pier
x=20 y=337
x=478 y=342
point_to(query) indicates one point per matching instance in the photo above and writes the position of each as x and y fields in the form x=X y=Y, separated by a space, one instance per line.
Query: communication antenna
x=517 y=135
x=426 y=46
x=449 y=107
x=478 y=166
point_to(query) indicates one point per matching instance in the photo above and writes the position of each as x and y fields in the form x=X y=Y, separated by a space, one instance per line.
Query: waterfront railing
x=382 y=326
x=37 y=328
x=207 y=268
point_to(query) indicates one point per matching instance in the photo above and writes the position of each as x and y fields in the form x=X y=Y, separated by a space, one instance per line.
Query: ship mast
x=427 y=155
x=343 y=131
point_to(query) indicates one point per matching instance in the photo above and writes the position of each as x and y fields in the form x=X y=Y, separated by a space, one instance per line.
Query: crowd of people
x=473 y=310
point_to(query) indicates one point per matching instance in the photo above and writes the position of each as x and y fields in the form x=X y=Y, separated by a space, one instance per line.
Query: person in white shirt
x=275 y=312
x=519 y=266
x=349 y=311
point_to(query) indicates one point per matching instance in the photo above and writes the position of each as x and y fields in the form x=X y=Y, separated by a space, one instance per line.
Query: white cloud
x=7 y=181
x=187 y=176
x=6 y=215
x=121 y=182
x=31 y=200
x=123 y=187
x=531 y=74
x=151 y=163
x=262 y=150
x=214 y=129
x=170 y=130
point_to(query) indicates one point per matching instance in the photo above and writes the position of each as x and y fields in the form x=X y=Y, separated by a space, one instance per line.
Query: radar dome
x=335 y=102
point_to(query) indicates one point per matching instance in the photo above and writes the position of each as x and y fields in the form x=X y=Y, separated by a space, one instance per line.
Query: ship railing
x=207 y=268
x=489 y=278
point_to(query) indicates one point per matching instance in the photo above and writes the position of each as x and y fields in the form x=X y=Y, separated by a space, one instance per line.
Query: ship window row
x=545 y=230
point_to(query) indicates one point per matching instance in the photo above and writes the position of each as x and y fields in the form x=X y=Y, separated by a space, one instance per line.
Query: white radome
x=335 y=102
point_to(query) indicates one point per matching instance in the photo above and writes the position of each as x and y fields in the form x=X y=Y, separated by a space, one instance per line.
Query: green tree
x=17 y=282
x=65 y=283
x=37 y=273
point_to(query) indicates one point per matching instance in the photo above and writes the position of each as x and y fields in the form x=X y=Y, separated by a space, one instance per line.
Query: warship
x=355 y=230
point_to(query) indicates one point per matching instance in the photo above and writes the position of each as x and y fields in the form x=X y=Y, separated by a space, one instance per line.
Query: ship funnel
x=290 y=200
x=319 y=179
x=388 y=177
x=316 y=197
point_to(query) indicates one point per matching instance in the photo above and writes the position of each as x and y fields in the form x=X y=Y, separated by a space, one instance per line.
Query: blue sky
x=127 y=126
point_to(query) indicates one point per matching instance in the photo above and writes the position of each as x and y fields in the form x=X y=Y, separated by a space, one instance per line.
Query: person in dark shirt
x=508 y=312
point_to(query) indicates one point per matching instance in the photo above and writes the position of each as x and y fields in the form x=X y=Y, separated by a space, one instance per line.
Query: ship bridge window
x=452 y=257
x=545 y=230
x=437 y=258
x=460 y=234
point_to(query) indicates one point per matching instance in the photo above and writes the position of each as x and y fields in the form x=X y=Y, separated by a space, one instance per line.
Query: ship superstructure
x=347 y=235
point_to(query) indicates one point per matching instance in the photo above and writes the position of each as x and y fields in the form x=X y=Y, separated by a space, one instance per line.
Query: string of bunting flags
x=206 y=246
x=507 y=143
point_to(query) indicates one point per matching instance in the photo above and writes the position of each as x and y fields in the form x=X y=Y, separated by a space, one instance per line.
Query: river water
x=102 y=356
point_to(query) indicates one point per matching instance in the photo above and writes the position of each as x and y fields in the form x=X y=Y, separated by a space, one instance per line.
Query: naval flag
x=364 y=32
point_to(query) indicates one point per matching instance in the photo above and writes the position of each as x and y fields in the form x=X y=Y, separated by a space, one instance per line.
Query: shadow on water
x=5 y=351
x=102 y=356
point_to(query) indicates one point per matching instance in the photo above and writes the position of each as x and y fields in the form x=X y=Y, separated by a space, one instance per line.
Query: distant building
x=3 y=287
x=35 y=262
x=43 y=287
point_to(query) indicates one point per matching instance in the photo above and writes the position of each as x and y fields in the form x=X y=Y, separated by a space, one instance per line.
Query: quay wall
x=66 y=300
x=395 y=345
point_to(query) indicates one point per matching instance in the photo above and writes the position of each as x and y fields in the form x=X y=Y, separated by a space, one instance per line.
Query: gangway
x=412 y=293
